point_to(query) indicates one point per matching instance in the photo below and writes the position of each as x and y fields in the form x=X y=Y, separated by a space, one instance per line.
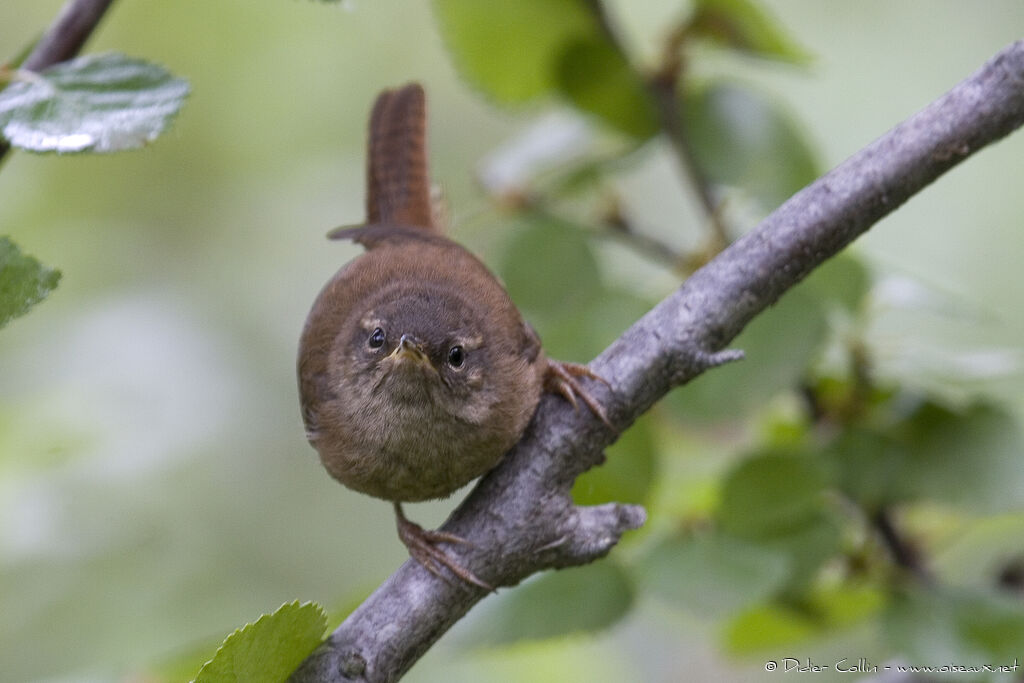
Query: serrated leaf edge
x=252 y=624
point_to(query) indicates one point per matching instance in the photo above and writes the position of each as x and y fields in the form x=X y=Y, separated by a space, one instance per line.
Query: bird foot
x=561 y=378
x=422 y=545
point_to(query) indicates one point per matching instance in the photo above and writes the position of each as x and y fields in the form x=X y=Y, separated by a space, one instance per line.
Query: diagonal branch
x=65 y=37
x=520 y=517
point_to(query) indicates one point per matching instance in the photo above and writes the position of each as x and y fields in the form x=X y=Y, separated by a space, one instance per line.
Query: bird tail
x=398 y=183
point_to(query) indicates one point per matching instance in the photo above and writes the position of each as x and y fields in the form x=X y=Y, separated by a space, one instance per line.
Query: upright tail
x=398 y=185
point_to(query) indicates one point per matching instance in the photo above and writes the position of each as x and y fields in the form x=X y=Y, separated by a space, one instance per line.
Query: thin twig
x=662 y=88
x=617 y=227
x=520 y=518
x=622 y=228
x=901 y=549
x=64 y=39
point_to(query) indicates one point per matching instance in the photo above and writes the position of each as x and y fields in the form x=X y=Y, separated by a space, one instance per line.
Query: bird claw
x=422 y=545
x=561 y=378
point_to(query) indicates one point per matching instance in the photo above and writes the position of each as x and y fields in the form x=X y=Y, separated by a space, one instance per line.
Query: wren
x=417 y=373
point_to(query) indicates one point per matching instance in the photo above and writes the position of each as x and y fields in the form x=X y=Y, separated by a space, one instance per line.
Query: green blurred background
x=156 y=490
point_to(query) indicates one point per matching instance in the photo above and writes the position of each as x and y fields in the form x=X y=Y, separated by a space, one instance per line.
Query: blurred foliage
x=742 y=140
x=956 y=627
x=783 y=556
x=551 y=270
x=778 y=345
x=828 y=483
x=558 y=603
x=24 y=281
x=713 y=575
x=921 y=455
x=595 y=77
x=513 y=52
x=628 y=473
x=745 y=26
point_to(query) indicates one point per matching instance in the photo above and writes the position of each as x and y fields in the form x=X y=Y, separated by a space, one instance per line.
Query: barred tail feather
x=398 y=184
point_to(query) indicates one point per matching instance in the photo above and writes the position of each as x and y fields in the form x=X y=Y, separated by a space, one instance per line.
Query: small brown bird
x=416 y=370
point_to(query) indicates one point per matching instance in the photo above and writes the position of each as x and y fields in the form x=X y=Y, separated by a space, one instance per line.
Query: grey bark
x=68 y=33
x=520 y=518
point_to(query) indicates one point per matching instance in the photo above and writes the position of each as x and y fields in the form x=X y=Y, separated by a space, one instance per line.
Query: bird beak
x=410 y=349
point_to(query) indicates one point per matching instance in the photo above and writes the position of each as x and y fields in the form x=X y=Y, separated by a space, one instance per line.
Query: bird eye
x=376 y=339
x=456 y=356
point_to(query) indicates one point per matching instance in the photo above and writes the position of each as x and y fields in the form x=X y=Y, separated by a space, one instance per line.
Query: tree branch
x=64 y=38
x=520 y=517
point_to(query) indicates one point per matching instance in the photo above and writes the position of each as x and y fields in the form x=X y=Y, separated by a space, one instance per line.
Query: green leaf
x=809 y=545
x=551 y=272
x=585 y=332
x=511 y=50
x=843 y=281
x=549 y=268
x=581 y=599
x=769 y=494
x=743 y=139
x=714 y=575
x=24 y=281
x=627 y=474
x=95 y=103
x=742 y=25
x=869 y=467
x=767 y=627
x=778 y=346
x=942 y=626
x=969 y=458
x=779 y=501
x=847 y=604
x=595 y=77
x=268 y=650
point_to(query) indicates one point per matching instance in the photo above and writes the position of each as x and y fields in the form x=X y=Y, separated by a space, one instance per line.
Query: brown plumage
x=398 y=189
x=416 y=370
